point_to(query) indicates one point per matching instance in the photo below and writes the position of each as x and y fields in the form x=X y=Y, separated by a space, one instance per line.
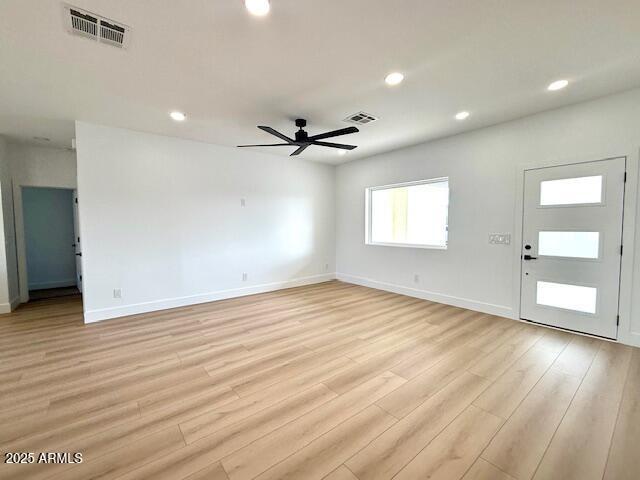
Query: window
x=571 y=191
x=411 y=214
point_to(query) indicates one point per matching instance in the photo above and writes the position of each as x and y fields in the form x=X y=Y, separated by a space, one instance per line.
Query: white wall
x=485 y=174
x=161 y=219
x=34 y=166
x=8 y=262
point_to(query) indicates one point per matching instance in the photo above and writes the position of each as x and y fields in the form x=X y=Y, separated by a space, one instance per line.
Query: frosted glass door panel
x=568 y=297
x=571 y=191
x=569 y=244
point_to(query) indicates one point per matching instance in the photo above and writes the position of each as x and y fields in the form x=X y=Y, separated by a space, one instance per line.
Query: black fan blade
x=299 y=150
x=335 y=133
x=276 y=133
x=335 y=145
x=265 y=145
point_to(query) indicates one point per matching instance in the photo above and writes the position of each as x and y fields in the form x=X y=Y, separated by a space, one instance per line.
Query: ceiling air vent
x=360 y=118
x=83 y=24
x=112 y=33
x=89 y=25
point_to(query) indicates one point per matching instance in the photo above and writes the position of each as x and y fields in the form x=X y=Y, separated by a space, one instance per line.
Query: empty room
x=341 y=240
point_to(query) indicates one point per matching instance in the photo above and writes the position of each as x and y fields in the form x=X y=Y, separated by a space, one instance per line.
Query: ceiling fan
x=303 y=140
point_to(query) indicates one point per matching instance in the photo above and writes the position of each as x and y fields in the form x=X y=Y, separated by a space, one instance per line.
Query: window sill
x=407 y=245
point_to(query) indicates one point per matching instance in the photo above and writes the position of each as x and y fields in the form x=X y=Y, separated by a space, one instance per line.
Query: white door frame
x=625 y=335
x=21 y=246
x=77 y=244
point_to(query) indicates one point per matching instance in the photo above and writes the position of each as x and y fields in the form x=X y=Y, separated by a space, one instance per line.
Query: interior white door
x=572 y=246
x=76 y=243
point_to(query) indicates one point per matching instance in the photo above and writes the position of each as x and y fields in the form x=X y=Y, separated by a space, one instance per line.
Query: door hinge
x=617 y=320
x=625 y=177
x=621 y=247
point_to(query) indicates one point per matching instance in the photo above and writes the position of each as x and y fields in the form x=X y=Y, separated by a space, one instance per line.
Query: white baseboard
x=14 y=303
x=97 y=315
x=631 y=338
x=10 y=306
x=500 y=310
x=55 y=284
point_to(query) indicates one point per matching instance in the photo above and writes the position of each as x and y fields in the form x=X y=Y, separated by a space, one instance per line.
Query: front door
x=572 y=246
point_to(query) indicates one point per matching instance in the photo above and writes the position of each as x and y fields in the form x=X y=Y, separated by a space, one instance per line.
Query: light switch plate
x=500 y=238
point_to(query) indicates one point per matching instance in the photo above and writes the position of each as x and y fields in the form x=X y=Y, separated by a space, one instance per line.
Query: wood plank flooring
x=330 y=381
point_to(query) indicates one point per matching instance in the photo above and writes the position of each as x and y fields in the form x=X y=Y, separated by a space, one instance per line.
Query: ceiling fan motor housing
x=301 y=135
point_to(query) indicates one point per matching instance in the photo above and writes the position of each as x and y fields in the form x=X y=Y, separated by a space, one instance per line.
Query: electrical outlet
x=500 y=238
x=243 y=202
x=117 y=293
x=416 y=278
x=244 y=277
x=326 y=267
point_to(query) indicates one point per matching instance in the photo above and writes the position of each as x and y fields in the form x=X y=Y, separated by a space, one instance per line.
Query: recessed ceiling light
x=258 y=8
x=462 y=115
x=558 y=85
x=178 y=116
x=342 y=152
x=394 y=78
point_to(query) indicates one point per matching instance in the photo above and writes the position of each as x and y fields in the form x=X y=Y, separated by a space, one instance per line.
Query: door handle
x=79 y=254
x=529 y=257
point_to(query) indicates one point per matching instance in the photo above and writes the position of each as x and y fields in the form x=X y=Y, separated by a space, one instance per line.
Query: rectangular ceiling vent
x=89 y=25
x=112 y=33
x=83 y=24
x=361 y=118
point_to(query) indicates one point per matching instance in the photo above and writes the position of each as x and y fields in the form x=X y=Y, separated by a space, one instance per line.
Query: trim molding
x=91 y=316
x=500 y=310
x=631 y=338
x=70 y=282
x=10 y=306
x=14 y=302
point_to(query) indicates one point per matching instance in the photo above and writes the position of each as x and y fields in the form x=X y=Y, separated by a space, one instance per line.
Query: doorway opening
x=52 y=242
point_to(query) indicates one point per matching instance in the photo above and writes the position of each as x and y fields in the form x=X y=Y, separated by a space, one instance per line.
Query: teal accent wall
x=49 y=236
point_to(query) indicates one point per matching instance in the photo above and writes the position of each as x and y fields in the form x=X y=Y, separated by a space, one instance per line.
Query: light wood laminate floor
x=328 y=381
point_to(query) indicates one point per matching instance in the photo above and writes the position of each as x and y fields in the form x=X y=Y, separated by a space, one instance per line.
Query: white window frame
x=368 y=221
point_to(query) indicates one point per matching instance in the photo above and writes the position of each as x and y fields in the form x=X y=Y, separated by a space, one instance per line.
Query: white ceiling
x=320 y=60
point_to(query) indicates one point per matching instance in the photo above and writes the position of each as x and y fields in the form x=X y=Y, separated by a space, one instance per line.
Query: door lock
x=529 y=257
